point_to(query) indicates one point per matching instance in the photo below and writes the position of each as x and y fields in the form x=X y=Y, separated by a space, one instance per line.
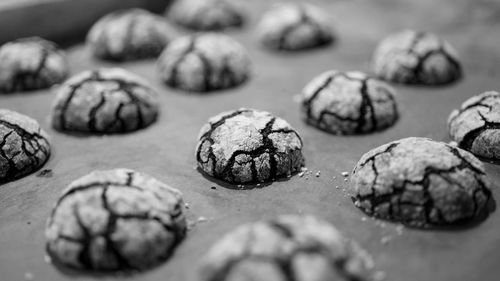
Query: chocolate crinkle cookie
x=115 y=220
x=129 y=35
x=248 y=146
x=207 y=14
x=104 y=101
x=24 y=146
x=288 y=248
x=204 y=62
x=349 y=103
x=30 y=64
x=475 y=126
x=294 y=26
x=414 y=57
x=421 y=183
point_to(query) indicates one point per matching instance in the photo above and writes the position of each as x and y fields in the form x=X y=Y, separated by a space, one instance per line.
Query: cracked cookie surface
x=421 y=183
x=29 y=64
x=104 y=101
x=414 y=57
x=288 y=248
x=204 y=62
x=248 y=146
x=129 y=35
x=206 y=15
x=115 y=220
x=24 y=146
x=293 y=26
x=349 y=103
x=475 y=126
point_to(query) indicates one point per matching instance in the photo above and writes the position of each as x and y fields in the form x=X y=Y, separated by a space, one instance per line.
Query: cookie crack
x=469 y=138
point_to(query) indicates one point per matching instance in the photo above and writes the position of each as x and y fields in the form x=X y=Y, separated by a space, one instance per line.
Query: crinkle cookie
x=30 y=64
x=204 y=62
x=207 y=14
x=247 y=146
x=288 y=248
x=24 y=146
x=476 y=125
x=104 y=101
x=413 y=57
x=115 y=220
x=294 y=26
x=421 y=183
x=349 y=103
x=129 y=35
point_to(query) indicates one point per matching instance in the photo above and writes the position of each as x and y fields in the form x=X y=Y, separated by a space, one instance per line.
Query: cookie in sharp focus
x=108 y=100
x=115 y=220
x=475 y=126
x=349 y=103
x=421 y=183
x=248 y=146
x=293 y=26
x=205 y=15
x=29 y=64
x=24 y=146
x=416 y=57
x=204 y=63
x=286 y=248
x=129 y=35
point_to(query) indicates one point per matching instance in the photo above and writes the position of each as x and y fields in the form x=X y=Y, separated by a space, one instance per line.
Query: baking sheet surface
x=166 y=149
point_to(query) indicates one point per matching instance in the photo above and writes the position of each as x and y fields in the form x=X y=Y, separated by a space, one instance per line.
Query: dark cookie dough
x=247 y=146
x=129 y=35
x=104 y=101
x=289 y=248
x=476 y=125
x=30 y=64
x=412 y=57
x=421 y=183
x=293 y=26
x=204 y=62
x=24 y=146
x=349 y=103
x=115 y=220
x=207 y=14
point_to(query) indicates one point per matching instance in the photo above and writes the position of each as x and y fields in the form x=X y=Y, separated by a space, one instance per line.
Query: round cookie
x=248 y=146
x=24 y=146
x=115 y=220
x=349 y=103
x=287 y=248
x=30 y=64
x=104 y=101
x=413 y=57
x=476 y=125
x=129 y=35
x=293 y=26
x=204 y=62
x=421 y=183
x=206 y=15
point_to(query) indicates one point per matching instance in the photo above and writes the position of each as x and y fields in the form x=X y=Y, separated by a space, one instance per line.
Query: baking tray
x=166 y=149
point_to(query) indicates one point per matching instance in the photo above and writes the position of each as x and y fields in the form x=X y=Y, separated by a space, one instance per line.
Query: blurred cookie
x=30 y=64
x=349 y=103
x=129 y=35
x=115 y=220
x=104 y=101
x=293 y=26
x=287 y=248
x=204 y=62
x=421 y=183
x=24 y=146
x=248 y=146
x=413 y=57
x=476 y=125
x=207 y=14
